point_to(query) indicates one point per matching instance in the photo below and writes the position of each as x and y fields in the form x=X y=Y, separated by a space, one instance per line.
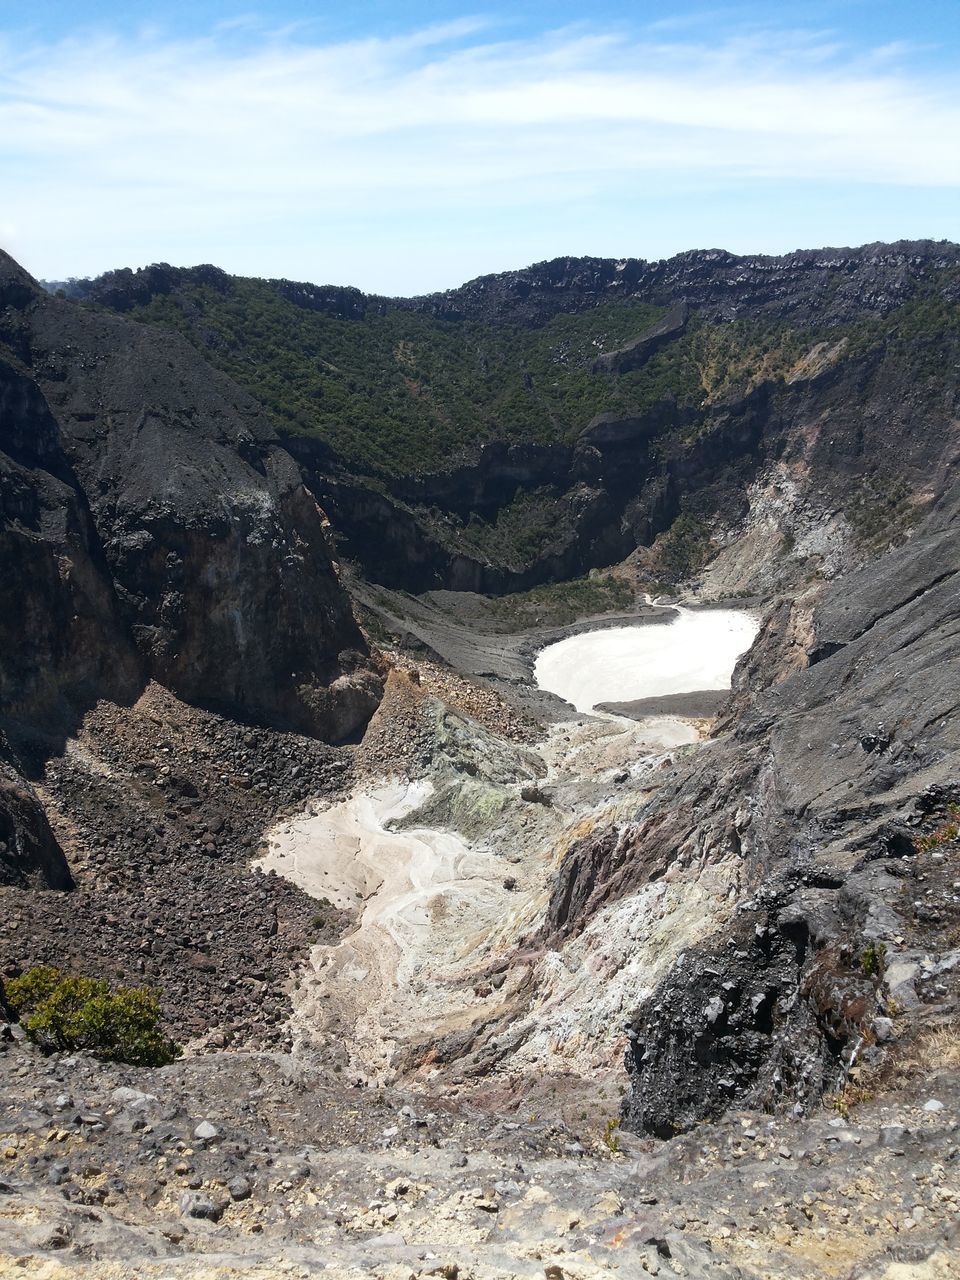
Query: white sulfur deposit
x=693 y=652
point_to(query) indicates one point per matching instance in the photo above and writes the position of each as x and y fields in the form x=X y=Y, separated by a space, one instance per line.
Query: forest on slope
x=398 y=387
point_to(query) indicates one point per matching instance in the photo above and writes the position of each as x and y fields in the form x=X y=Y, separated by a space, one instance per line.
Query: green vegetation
x=398 y=391
x=882 y=511
x=851 y=1095
x=560 y=603
x=408 y=392
x=522 y=529
x=60 y=1011
x=922 y=334
x=610 y=1136
x=874 y=958
x=685 y=547
x=403 y=391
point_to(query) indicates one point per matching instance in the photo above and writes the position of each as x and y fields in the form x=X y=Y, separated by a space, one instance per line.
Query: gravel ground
x=160 y=808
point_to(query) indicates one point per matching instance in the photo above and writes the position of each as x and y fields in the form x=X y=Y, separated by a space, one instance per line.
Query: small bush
x=874 y=958
x=610 y=1137
x=851 y=1095
x=64 y=1012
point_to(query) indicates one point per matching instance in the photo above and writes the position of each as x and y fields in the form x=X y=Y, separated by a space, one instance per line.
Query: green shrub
x=874 y=958
x=60 y=1011
x=610 y=1137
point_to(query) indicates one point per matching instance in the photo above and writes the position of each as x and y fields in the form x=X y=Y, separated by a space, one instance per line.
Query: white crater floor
x=427 y=904
x=433 y=908
x=697 y=650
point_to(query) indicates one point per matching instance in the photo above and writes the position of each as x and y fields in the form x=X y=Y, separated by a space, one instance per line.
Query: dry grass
x=932 y=1050
x=936 y=1049
x=945 y=833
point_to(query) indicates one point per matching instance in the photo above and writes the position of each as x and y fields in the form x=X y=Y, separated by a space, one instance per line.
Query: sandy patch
x=697 y=650
x=430 y=908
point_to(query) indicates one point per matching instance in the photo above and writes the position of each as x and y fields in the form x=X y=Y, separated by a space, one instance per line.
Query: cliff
x=153 y=528
x=839 y=751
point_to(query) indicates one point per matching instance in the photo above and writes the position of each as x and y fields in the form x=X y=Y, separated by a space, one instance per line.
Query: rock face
x=163 y=531
x=403 y=542
x=815 y=794
x=151 y=527
x=30 y=856
x=829 y=284
x=61 y=637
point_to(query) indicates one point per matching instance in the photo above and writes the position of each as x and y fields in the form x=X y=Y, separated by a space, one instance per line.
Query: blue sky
x=405 y=148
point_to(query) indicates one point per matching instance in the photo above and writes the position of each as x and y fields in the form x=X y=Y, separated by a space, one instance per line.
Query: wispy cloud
x=112 y=147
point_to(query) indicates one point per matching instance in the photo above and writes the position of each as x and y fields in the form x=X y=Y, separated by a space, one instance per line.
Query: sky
x=405 y=148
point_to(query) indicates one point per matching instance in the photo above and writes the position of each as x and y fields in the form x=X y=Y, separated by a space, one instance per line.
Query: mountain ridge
x=144 y=281
x=455 y=439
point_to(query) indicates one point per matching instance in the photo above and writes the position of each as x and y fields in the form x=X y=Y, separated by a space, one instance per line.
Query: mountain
x=746 y=424
x=540 y=423
x=467 y=985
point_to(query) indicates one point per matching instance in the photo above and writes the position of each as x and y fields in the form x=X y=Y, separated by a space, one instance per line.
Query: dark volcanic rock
x=152 y=529
x=62 y=642
x=161 y=806
x=29 y=853
x=421 y=547
x=831 y=284
x=637 y=353
x=203 y=528
x=813 y=791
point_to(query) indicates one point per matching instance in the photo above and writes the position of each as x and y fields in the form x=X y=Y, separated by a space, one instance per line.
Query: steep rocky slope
x=152 y=528
x=217 y=553
x=814 y=798
x=64 y=641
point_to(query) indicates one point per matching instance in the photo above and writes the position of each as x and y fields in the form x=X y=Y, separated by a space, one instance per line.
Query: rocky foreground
x=261 y=1165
